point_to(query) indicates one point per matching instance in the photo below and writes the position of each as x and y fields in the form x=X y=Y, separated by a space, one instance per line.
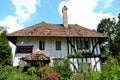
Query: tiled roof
x=56 y=30
x=36 y=55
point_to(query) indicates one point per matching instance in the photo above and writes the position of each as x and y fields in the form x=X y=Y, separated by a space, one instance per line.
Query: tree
x=108 y=26
x=116 y=46
x=5 y=49
x=111 y=27
x=116 y=43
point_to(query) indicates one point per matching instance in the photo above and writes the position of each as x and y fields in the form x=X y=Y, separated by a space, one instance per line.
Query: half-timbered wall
x=83 y=43
x=75 y=44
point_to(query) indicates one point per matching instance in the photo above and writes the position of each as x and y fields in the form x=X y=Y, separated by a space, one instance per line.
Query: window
x=24 y=49
x=42 y=45
x=79 y=44
x=82 y=44
x=58 y=45
x=87 y=45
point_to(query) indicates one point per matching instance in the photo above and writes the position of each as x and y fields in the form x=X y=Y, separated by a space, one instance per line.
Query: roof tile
x=56 y=30
x=36 y=55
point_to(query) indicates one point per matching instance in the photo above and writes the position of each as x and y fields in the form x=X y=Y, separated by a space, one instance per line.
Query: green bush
x=32 y=71
x=110 y=70
x=14 y=73
x=44 y=70
x=77 y=76
x=95 y=75
x=81 y=76
x=5 y=71
x=63 y=67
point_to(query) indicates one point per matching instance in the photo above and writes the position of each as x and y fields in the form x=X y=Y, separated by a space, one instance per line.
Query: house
x=58 y=41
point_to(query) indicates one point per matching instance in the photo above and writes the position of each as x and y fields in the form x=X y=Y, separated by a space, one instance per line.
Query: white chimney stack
x=65 y=20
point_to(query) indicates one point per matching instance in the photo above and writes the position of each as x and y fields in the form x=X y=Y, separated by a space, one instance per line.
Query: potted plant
x=87 y=52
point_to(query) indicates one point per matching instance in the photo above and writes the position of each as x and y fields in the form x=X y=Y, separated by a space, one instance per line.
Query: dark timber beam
x=73 y=46
x=94 y=46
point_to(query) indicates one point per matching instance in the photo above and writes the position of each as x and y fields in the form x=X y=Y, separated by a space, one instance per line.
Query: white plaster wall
x=50 y=47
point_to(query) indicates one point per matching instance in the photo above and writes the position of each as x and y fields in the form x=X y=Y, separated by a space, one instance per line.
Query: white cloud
x=81 y=12
x=11 y=23
x=25 y=9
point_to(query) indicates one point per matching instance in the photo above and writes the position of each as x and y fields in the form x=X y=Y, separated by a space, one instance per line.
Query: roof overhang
x=12 y=39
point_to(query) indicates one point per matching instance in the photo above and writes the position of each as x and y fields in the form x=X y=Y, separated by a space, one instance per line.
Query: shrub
x=110 y=70
x=32 y=71
x=51 y=76
x=44 y=70
x=63 y=67
x=12 y=73
x=5 y=71
x=77 y=76
x=95 y=75
x=81 y=76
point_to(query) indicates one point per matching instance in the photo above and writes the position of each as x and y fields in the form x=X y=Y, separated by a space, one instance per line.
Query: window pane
x=79 y=44
x=86 y=45
x=82 y=44
x=42 y=45
x=58 y=45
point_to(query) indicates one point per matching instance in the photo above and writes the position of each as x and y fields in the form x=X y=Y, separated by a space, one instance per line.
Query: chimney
x=65 y=20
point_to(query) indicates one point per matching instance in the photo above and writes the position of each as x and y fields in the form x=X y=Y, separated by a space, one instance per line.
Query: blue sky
x=18 y=14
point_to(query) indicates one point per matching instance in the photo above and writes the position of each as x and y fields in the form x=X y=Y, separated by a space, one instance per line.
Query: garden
x=61 y=70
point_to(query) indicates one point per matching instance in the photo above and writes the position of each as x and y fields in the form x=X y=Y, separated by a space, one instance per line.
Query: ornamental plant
x=84 y=51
